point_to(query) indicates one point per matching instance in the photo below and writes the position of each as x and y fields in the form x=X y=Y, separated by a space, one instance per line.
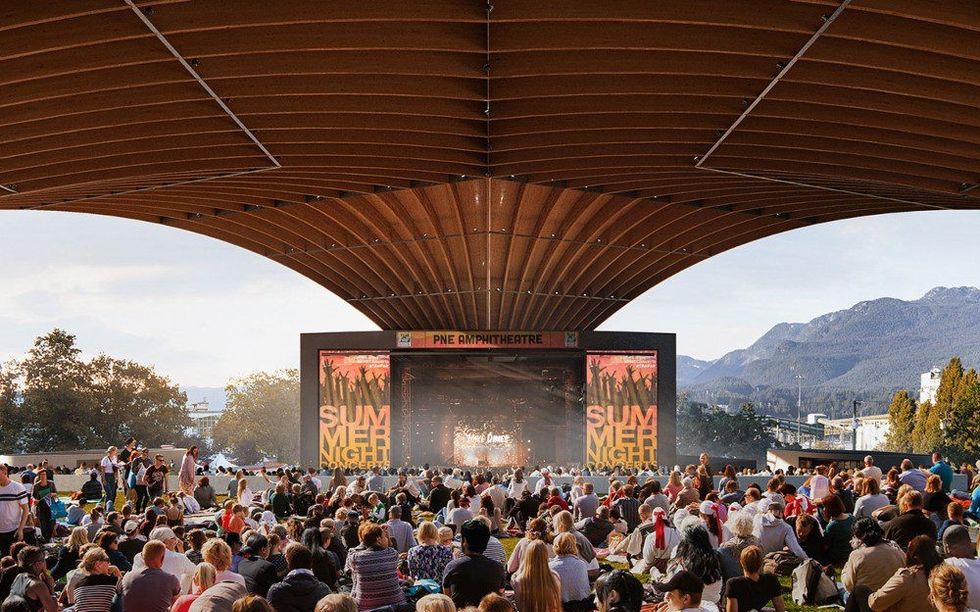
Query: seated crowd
x=434 y=540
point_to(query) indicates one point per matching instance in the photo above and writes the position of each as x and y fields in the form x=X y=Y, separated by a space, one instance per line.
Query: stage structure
x=488 y=399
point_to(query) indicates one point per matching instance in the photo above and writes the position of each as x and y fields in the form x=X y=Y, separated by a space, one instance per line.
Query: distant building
x=871 y=432
x=929 y=385
x=203 y=420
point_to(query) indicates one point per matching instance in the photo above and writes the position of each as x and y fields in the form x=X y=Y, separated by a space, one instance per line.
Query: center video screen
x=489 y=409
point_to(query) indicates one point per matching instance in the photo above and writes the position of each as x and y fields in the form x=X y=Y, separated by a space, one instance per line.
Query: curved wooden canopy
x=525 y=165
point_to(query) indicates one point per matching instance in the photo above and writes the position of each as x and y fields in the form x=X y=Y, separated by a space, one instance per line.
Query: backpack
x=780 y=563
x=811 y=586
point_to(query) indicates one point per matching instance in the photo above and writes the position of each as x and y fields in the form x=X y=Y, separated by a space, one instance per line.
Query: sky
x=203 y=312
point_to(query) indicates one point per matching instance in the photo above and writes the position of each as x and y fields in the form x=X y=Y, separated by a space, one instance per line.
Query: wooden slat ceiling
x=534 y=166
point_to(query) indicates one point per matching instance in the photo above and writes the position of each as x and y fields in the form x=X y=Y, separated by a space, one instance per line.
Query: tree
x=261 y=417
x=56 y=408
x=926 y=435
x=949 y=382
x=66 y=403
x=962 y=441
x=131 y=399
x=744 y=434
x=901 y=422
x=10 y=438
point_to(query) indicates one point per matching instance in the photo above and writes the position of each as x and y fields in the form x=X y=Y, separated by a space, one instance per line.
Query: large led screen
x=355 y=409
x=488 y=409
x=621 y=416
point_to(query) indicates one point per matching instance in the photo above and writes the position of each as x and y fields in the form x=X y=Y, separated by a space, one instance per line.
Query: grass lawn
x=510 y=543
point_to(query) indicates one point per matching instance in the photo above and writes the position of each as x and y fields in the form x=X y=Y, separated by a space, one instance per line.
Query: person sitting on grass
x=754 y=590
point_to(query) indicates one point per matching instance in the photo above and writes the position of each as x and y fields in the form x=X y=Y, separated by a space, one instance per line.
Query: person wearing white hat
x=711 y=515
x=132 y=543
x=174 y=561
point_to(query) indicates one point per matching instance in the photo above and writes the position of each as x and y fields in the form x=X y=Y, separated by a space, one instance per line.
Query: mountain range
x=865 y=352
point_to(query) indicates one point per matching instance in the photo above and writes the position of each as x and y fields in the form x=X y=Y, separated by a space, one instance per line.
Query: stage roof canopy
x=512 y=165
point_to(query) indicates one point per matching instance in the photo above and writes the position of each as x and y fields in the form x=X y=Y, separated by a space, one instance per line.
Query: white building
x=871 y=432
x=929 y=384
x=203 y=420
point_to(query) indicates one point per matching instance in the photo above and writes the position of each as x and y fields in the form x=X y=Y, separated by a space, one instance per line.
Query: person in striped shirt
x=13 y=511
x=96 y=591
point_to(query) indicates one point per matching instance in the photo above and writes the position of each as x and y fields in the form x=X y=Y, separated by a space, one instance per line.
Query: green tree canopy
x=742 y=434
x=901 y=420
x=53 y=400
x=261 y=417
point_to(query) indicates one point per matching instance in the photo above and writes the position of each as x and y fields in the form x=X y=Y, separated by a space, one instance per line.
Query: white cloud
x=203 y=311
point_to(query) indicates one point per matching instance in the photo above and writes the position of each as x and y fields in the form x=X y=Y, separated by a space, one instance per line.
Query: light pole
x=854 y=424
x=799 y=410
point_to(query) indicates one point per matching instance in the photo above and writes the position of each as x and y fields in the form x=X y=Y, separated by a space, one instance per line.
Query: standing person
x=13 y=511
x=110 y=467
x=128 y=456
x=188 y=469
x=44 y=493
x=470 y=577
x=139 y=467
x=156 y=477
x=536 y=585
x=149 y=588
x=943 y=470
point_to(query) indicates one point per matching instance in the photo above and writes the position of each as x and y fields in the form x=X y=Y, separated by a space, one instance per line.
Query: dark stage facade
x=488 y=399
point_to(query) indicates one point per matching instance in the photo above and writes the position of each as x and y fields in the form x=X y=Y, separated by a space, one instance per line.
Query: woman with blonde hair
x=437 y=602
x=563 y=523
x=428 y=559
x=446 y=537
x=337 y=602
x=572 y=572
x=70 y=554
x=95 y=591
x=674 y=486
x=205 y=577
x=537 y=530
x=536 y=586
x=244 y=494
x=948 y=589
x=217 y=552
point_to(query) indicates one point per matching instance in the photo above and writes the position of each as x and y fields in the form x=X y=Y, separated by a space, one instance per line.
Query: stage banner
x=485 y=340
x=355 y=409
x=621 y=411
